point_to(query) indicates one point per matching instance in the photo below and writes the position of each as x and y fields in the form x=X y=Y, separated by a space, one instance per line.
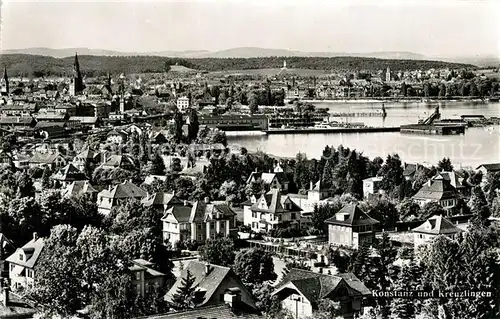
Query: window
x=21 y=257
x=292 y=216
x=138 y=275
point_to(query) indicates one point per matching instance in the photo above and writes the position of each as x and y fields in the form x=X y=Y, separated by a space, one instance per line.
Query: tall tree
x=254 y=265
x=392 y=172
x=445 y=165
x=157 y=165
x=218 y=251
x=194 y=125
x=185 y=297
x=479 y=206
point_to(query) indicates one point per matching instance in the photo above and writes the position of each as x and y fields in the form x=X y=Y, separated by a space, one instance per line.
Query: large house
x=145 y=278
x=300 y=292
x=198 y=221
x=351 y=227
x=440 y=190
x=22 y=263
x=213 y=283
x=372 y=186
x=69 y=174
x=277 y=179
x=273 y=211
x=109 y=198
x=432 y=228
x=85 y=158
x=79 y=188
x=124 y=161
x=161 y=200
x=51 y=160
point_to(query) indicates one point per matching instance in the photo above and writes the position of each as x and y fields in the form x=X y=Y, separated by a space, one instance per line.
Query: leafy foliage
x=218 y=251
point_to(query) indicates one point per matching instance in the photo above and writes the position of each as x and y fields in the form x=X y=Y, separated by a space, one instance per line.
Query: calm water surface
x=478 y=145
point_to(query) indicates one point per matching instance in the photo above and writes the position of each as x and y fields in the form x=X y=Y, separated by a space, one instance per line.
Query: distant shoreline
x=422 y=100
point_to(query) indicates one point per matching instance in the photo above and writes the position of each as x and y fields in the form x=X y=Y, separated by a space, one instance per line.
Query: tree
x=403 y=308
x=385 y=212
x=408 y=210
x=392 y=172
x=158 y=165
x=340 y=258
x=265 y=301
x=25 y=186
x=46 y=177
x=185 y=297
x=194 y=125
x=178 y=123
x=253 y=103
x=432 y=209
x=218 y=251
x=445 y=165
x=254 y=265
x=479 y=206
x=57 y=286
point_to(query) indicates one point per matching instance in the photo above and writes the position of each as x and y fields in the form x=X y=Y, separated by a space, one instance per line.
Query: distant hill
x=37 y=65
x=253 y=52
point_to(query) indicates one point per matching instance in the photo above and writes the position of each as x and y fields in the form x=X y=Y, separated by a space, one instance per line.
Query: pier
x=311 y=130
x=359 y=114
x=432 y=126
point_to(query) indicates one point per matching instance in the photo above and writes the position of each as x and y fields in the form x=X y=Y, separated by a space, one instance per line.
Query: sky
x=433 y=28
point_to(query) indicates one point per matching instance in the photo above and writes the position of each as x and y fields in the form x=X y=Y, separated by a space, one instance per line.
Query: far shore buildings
x=351 y=227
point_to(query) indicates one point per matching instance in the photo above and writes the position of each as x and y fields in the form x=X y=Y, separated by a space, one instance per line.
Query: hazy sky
x=439 y=27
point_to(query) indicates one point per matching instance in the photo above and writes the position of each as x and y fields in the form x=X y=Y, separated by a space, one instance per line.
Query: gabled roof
x=146 y=266
x=315 y=286
x=5 y=242
x=79 y=188
x=273 y=202
x=208 y=282
x=69 y=173
x=161 y=198
x=181 y=213
x=119 y=160
x=455 y=180
x=200 y=211
x=493 y=167
x=351 y=215
x=218 y=311
x=124 y=190
x=410 y=169
x=44 y=158
x=436 y=188
x=437 y=225
x=32 y=251
x=87 y=154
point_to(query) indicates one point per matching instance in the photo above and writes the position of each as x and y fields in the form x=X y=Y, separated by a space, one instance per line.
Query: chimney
x=35 y=236
x=5 y=296
x=207 y=200
x=208 y=268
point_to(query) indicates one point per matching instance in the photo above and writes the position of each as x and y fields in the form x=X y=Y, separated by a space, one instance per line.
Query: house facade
x=300 y=292
x=371 y=186
x=213 y=283
x=351 y=227
x=432 y=228
x=145 y=277
x=117 y=195
x=439 y=190
x=22 y=264
x=197 y=221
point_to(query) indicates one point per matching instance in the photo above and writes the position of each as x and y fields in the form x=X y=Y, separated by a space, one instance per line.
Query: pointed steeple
x=5 y=81
x=77 y=77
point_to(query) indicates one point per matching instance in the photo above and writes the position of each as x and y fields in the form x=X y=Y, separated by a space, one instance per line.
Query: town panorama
x=265 y=186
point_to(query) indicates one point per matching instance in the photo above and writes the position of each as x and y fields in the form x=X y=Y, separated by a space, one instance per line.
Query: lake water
x=478 y=145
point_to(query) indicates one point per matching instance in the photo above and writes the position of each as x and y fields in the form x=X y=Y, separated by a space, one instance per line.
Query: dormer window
x=21 y=257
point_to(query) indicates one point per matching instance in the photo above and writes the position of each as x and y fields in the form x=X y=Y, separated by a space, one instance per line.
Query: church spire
x=77 y=77
x=5 y=81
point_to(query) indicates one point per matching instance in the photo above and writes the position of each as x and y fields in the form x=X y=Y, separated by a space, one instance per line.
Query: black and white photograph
x=260 y=159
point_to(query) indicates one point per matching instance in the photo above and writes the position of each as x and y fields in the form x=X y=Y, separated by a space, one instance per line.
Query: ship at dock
x=434 y=125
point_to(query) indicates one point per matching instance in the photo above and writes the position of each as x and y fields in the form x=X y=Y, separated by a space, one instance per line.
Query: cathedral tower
x=4 y=83
x=77 y=81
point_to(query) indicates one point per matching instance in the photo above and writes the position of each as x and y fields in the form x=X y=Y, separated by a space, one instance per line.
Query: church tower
x=388 y=75
x=4 y=83
x=77 y=81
